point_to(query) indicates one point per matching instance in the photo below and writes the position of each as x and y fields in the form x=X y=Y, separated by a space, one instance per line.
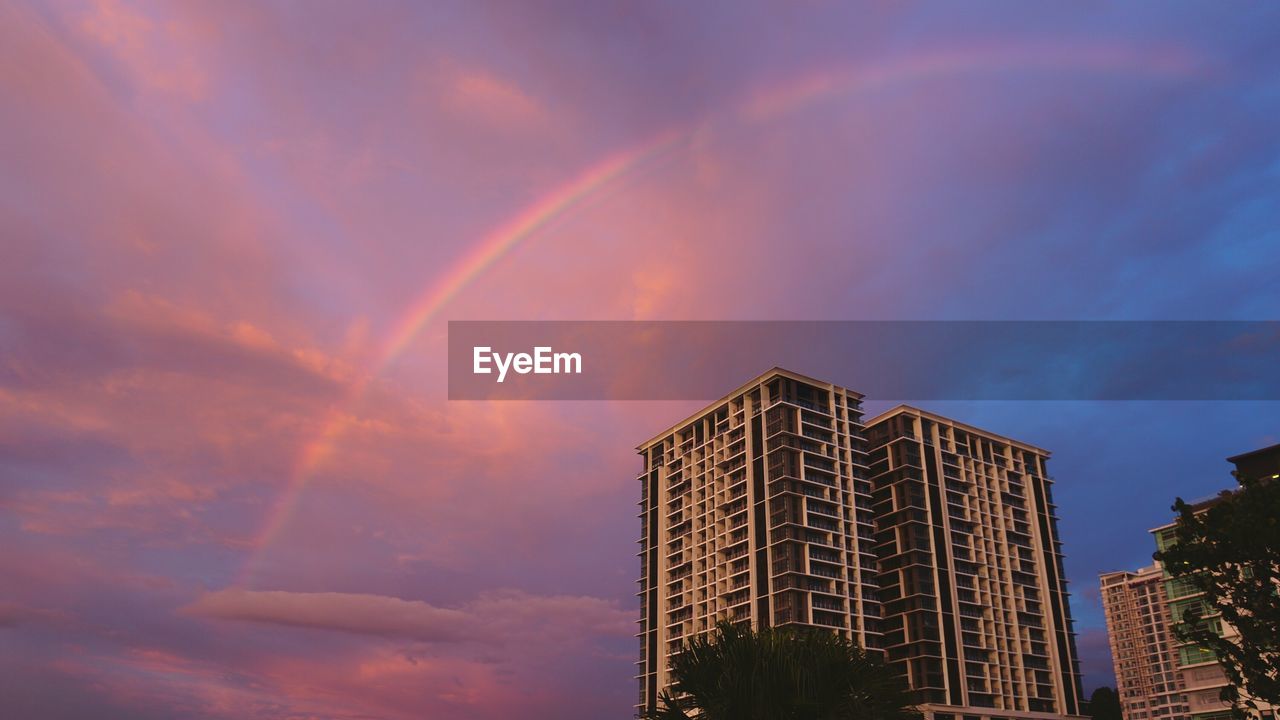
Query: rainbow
x=843 y=81
x=573 y=194
x=766 y=106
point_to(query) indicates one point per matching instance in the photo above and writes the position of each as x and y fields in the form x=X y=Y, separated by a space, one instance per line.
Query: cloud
x=12 y=615
x=156 y=52
x=492 y=619
x=479 y=94
x=346 y=612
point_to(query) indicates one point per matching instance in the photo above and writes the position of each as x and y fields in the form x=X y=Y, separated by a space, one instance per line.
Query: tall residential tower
x=971 y=578
x=1146 y=664
x=756 y=509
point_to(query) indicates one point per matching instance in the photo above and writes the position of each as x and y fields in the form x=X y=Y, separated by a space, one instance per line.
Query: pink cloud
x=477 y=94
x=12 y=614
x=495 y=619
x=158 y=52
x=357 y=613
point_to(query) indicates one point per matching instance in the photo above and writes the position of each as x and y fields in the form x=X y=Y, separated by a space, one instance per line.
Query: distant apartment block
x=1143 y=609
x=926 y=539
x=1200 y=676
x=1146 y=664
x=1258 y=464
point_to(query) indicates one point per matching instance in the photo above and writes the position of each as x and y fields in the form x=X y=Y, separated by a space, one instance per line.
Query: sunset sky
x=232 y=233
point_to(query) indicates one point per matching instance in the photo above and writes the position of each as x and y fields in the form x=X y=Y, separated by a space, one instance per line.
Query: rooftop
x=900 y=409
x=1271 y=449
x=768 y=374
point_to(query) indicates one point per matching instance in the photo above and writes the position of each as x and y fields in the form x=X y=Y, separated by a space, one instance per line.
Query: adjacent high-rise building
x=930 y=540
x=971 y=578
x=1146 y=664
x=1200 y=677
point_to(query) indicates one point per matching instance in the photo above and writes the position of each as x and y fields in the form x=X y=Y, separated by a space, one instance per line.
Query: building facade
x=1198 y=671
x=769 y=507
x=974 y=596
x=1148 y=680
x=756 y=509
x=1157 y=674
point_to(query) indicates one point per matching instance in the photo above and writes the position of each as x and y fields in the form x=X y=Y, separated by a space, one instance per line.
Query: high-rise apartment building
x=769 y=507
x=1159 y=675
x=1146 y=663
x=1200 y=676
x=1260 y=464
x=971 y=579
x=756 y=509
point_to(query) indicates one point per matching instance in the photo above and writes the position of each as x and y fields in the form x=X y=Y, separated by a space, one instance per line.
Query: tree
x=1104 y=704
x=737 y=673
x=1230 y=551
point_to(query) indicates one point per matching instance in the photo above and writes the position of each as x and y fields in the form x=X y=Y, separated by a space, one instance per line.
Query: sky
x=231 y=483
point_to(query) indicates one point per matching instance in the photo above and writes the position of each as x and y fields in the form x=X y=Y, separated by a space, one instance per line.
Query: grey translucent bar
x=885 y=360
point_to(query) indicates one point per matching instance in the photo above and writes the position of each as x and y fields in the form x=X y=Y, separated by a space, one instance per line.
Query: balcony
x=821 y=617
x=824 y=509
x=824 y=603
x=822 y=523
x=824 y=555
x=824 y=570
x=816 y=428
x=818 y=478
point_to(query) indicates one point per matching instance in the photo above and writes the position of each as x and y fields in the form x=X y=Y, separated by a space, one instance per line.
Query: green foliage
x=1230 y=552
x=1104 y=704
x=736 y=673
